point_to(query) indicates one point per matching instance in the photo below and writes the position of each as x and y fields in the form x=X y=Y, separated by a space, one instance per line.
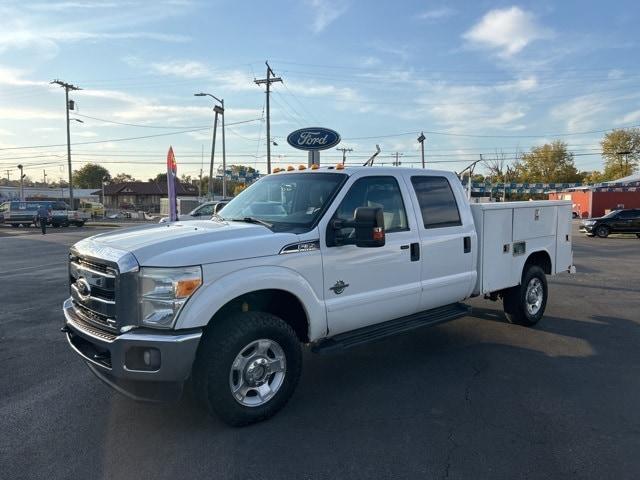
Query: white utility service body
x=329 y=257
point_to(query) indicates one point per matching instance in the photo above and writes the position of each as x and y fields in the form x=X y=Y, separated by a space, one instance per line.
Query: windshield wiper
x=252 y=220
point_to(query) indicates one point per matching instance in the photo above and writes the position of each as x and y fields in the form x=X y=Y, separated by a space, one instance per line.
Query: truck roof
x=351 y=169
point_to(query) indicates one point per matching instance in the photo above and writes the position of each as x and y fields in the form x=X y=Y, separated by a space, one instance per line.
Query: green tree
x=90 y=176
x=592 y=177
x=122 y=178
x=160 y=178
x=551 y=162
x=621 y=152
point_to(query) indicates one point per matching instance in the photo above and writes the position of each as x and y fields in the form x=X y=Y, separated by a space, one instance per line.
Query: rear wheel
x=524 y=304
x=247 y=367
x=602 y=231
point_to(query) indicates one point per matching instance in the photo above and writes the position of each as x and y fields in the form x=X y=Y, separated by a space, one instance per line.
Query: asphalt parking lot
x=474 y=398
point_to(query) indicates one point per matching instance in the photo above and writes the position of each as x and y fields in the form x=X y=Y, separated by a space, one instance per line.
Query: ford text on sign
x=313 y=138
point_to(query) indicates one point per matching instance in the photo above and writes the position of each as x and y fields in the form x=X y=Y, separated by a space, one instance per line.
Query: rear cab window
x=437 y=202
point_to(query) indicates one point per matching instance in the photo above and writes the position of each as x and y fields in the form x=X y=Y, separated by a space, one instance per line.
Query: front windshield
x=290 y=202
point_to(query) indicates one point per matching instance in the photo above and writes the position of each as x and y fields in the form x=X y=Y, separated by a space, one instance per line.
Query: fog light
x=142 y=358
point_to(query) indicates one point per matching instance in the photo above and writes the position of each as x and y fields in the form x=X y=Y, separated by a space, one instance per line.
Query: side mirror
x=369 y=225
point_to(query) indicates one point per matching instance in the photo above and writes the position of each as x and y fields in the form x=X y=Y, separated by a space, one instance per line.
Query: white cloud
x=628 y=118
x=581 y=113
x=14 y=78
x=615 y=74
x=436 y=13
x=25 y=113
x=184 y=69
x=64 y=6
x=325 y=12
x=506 y=31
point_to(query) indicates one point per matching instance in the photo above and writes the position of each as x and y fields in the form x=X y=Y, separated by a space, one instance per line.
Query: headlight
x=163 y=292
x=589 y=222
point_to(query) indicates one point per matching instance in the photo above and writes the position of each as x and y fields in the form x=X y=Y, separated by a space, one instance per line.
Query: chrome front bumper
x=117 y=359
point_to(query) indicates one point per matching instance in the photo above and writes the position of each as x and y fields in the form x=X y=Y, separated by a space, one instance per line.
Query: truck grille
x=93 y=290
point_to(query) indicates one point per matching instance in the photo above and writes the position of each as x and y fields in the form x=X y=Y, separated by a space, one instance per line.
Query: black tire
x=638 y=235
x=79 y=224
x=515 y=298
x=602 y=231
x=15 y=225
x=221 y=344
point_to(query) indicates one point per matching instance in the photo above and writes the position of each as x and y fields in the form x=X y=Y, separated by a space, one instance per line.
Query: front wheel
x=524 y=304
x=247 y=367
x=602 y=231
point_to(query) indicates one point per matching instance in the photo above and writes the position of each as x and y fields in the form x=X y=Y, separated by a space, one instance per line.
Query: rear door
x=364 y=286
x=625 y=221
x=448 y=241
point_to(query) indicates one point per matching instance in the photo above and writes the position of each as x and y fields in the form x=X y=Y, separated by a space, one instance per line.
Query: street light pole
x=21 y=183
x=421 y=139
x=224 y=157
x=218 y=110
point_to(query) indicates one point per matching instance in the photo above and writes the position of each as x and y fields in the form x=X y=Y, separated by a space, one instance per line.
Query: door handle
x=467 y=244
x=415 y=252
x=404 y=247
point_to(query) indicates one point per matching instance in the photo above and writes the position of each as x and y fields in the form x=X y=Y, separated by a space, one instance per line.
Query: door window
x=381 y=192
x=206 y=210
x=627 y=214
x=437 y=202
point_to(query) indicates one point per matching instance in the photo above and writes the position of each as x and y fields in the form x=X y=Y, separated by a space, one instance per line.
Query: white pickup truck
x=327 y=257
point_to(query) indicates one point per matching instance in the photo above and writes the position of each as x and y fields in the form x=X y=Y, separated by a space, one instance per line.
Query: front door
x=364 y=286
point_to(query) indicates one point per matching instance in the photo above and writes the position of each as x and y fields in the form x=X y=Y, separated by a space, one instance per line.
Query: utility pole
x=397 y=162
x=67 y=87
x=8 y=175
x=344 y=153
x=44 y=177
x=21 y=183
x=421 y=139
x=271 y=78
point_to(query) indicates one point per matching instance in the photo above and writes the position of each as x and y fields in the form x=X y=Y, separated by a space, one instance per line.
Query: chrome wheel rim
x=257 y=373
x=534 y=296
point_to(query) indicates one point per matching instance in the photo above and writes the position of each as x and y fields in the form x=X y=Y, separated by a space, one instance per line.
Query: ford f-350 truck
x=325 y=257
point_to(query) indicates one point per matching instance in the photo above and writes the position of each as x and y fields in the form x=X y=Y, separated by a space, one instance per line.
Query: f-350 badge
x=339 y=287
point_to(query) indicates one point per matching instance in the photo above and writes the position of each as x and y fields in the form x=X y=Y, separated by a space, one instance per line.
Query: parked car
x=78 y=218
x=17 y=213
x=94 y=209
x=616 y=221
x=330 y=258
x=201 y=212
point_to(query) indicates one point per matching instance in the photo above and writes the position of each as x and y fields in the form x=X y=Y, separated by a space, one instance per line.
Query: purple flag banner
x=172 y=170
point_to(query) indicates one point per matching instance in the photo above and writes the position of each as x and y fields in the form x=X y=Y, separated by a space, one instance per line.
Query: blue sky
x=477 y=77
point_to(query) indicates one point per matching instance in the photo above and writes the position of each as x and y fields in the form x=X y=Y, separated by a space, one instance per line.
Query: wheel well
x=541 y=259
x=280 y=303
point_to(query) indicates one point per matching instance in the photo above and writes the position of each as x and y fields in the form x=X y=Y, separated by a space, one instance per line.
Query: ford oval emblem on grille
x=84 y=289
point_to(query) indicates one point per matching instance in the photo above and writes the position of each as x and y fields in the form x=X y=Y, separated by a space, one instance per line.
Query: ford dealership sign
x=313 y=138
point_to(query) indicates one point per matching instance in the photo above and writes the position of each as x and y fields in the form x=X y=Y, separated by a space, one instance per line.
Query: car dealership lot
x=475 y=398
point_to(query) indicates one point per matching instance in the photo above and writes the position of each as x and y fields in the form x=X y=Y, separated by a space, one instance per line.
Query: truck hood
x=191 y=243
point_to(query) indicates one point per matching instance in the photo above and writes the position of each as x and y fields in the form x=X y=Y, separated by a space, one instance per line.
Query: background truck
x=325 y=257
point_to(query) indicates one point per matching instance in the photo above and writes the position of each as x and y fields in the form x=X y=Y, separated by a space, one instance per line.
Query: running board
x=392 y=327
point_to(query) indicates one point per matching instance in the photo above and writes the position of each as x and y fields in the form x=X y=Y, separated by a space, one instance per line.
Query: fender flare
x=211 y=297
